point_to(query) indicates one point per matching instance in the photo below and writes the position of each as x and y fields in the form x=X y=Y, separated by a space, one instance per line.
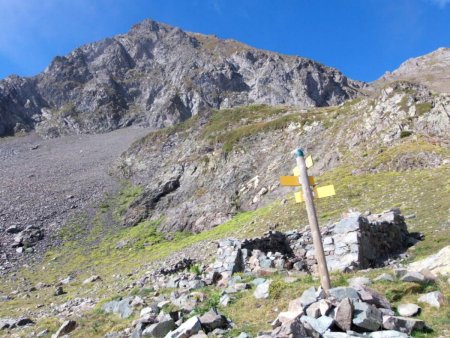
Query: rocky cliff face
x=156 y=76
x=431 y=70
x=200 y=173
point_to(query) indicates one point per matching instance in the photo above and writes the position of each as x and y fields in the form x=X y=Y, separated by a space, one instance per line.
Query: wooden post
x=313 y=222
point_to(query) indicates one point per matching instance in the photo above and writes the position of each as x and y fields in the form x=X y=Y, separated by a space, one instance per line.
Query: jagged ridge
x=157 y=75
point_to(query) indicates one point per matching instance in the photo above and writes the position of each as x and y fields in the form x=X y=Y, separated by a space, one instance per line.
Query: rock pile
x=356 y=242
x=25 y=239
x=345 y=312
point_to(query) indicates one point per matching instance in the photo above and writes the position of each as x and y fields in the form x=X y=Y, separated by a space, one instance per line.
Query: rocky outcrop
x=242 y=152
x=157 y=75
x=431 y=70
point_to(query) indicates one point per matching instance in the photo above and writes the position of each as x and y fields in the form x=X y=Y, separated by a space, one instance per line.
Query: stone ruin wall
x=355 y=242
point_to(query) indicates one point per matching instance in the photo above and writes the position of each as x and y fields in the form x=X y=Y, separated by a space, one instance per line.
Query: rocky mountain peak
x=430 y=69
x=156 y=76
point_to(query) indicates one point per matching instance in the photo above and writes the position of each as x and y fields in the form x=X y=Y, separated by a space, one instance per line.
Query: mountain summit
x=157 y=75
x=431 y=70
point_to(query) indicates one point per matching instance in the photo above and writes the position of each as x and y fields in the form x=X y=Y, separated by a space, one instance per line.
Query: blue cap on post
x=299 y=153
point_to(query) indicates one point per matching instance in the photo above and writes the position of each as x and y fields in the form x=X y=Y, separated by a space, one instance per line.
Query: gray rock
x=122 y=307
x=262 y=290
x=212 y=320
x=293 y=328
x=58 y=291
x=344 y=314
x=313 y=310
x=92 y=279
x=435 y=299
x=258 y=281
x=367 y=316
x=244 y=335
x=384 y=277
x=388 y=334
x=402 y=324
x=224 y=299
x=67 y=327
x=308 y=297
x=319 y=325
x=359 y=281
x=408 y=310
x=24 y=321
x=371 y=296
x=400 y=272
x=413 y=276
x=343 y=292
x=187 y=329
x=160 y=329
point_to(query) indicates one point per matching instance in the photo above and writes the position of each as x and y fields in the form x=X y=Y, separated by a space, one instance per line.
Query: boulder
x=408 y=310
x=343 y=292
x=313 y=310
x=308 y=297
x=344 y=314
x=414 y=277
x=285 y=317
x=435 y=299
x=402 y=324
x=212 y=320
x=367 y=316
x=262 y=290
x=438 y=263
x=293 y=328
x=120 y=307
x=318 y=325
x=67 y=327
x=371 y=296
x=160 y=329
x=359 y=281
x=187 y=329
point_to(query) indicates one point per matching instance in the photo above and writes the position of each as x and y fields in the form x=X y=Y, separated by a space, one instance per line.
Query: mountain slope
x=200 y=173
x=432 y=70
x=157 y=75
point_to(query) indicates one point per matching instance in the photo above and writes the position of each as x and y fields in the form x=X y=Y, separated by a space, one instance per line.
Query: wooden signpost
x=301 y=178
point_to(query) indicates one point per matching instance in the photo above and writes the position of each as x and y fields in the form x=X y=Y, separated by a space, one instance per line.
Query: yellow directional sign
x=309 y=161
x=309 y=164
x=293 y=181
x=319 y=192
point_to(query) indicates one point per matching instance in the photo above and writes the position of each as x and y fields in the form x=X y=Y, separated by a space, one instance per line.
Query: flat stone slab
x=308 y=297
x=403 y=324
x=435 y=299
x=414 y=277
x=343 y=292
x=408 y=310
x=359 y=281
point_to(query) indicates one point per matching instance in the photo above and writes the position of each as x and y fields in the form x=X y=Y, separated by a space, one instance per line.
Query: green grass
x=423 y=108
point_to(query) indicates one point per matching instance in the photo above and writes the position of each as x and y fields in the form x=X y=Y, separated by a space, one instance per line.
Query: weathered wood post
x=313 y=222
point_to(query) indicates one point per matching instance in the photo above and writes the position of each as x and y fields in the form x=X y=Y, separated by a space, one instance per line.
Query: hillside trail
x=45 y=181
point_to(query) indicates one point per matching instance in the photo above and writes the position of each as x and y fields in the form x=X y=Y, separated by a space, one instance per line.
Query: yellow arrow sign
x=309 y=164
x=319 y=192
x=309 y=161
x=293 y=181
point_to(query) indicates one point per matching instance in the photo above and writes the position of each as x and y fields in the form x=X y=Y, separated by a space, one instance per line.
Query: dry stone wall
x=355 y=242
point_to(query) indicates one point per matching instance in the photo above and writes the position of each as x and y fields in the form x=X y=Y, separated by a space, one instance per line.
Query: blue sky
x=362 y=38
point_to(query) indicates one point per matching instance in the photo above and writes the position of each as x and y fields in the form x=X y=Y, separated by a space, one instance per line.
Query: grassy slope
x=91 y=244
